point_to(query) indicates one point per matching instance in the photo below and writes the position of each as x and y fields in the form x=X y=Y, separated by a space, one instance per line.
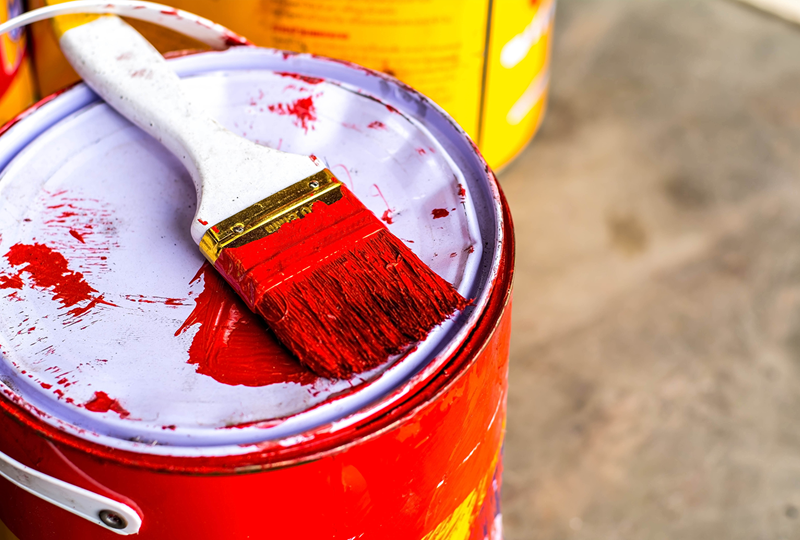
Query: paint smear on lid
x=102 y=403
x=234 y=346
x=439 y=213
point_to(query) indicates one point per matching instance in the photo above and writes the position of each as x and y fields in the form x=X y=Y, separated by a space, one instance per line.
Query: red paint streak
x=202 y=222
x=170 y=427
x=391 y=109
x=78 y=311
x=62 y=380
x=304 y=78
x=346 y=171
x=319 y=275
x=58 y=393
x=101 y=403
x=78 y=236
x=46 y=386
x=11 y=282
x=377 y=125
x=461 y=191
x=142 y=299
x=421 y=151
x=439 y=213
x=232 y=344
x=302 y=109
x=387 y=215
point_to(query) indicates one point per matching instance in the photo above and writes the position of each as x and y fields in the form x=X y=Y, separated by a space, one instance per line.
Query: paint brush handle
x=230 y=173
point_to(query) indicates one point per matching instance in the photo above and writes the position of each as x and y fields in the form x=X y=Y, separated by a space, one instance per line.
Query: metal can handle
x=107 y=513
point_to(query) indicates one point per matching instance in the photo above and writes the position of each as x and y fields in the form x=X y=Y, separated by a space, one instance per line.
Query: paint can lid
x=114 y=329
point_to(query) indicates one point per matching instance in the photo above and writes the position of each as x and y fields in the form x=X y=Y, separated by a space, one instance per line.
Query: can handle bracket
x=107 y=513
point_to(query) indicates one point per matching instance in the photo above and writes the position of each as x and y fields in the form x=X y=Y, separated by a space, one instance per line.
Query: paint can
x=16 y=76
x=485 y=62
x=140 y=396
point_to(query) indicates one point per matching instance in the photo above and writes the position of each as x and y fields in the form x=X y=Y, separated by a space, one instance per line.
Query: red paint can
x=139 y=396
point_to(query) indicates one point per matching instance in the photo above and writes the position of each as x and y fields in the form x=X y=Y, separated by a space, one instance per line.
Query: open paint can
x=138 y=394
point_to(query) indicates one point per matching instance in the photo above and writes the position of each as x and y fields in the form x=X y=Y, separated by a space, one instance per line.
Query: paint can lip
x=430 y=117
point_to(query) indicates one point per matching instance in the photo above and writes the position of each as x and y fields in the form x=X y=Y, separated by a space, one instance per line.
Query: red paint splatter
x=302 y=109
x=461 y=191
x=304 y=78
x=391 y=109
x=440 y=213
x=62 y=380
x=389 y=213
x=202 y=221
x=49 y=270
x=377 y=125
x=233 y=346
x=170 y=427
x=78 y=236
x=101 y=403
x=421 y=151
x=46 y=386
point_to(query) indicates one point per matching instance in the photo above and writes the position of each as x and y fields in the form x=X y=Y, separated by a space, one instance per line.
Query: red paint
x=11 y=282
x=46 y=386
x=76 y=235
x=304 y=78
x=101 y=403
x=387 y=216
x=439 y=213
x=338 y=289
x=461 y=192
x=377 y=125
x=232 y=344
x=421 y=151
x=202 y=221
x=391 y=109
x=49 y=270
x=302 y=109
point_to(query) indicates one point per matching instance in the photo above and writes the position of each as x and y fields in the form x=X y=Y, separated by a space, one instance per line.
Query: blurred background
x=655 y=356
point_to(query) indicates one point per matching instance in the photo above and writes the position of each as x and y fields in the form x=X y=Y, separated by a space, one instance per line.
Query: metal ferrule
x=268 y=215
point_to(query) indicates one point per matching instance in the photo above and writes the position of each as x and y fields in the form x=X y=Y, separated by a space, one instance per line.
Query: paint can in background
x=16 y=78
x=485 y=62
x=144 y=398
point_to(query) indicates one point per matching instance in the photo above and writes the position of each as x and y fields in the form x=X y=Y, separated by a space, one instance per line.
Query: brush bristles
x=341 y=292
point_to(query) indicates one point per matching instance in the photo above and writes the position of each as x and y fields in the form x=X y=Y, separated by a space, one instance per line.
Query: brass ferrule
x=268 y=215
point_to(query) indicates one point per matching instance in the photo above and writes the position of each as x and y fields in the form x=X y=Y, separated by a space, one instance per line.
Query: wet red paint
x=391 y=109
x=233 y=345
x=302 y=109
x=439 y=213
x=202 y=222
x=142 y=299
x=304 y=78
x=46 y=386
x=102 y=403
x=387 y=217
x=377 y=125
x=49 y=270
x=319 y=275
x=76 y=235
x=461 y=191
x=421 y=151
x=11 y=282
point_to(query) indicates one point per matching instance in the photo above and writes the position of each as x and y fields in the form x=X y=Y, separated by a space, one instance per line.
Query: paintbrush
x=334 y=285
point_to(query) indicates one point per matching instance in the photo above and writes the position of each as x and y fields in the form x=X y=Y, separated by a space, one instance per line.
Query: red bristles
x=338 y=289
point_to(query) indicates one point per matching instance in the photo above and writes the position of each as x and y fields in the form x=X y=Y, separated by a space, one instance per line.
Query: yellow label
x=16 y=80
x=517 y=76
x=5 y=534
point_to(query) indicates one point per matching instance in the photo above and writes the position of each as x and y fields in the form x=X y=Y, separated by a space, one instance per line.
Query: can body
x=485 y=62
x=420 y=461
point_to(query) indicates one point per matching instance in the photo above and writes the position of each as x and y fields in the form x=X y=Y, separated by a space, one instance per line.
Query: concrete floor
x=655 y=370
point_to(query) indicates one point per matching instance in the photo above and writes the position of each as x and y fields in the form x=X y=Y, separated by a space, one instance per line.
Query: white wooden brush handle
x=230 y=173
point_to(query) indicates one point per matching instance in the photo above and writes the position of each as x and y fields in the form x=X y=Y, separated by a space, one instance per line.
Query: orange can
x=484 y=62
x=16 y=78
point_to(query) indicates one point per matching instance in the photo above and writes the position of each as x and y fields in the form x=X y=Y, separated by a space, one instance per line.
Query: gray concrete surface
x=655 y=369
